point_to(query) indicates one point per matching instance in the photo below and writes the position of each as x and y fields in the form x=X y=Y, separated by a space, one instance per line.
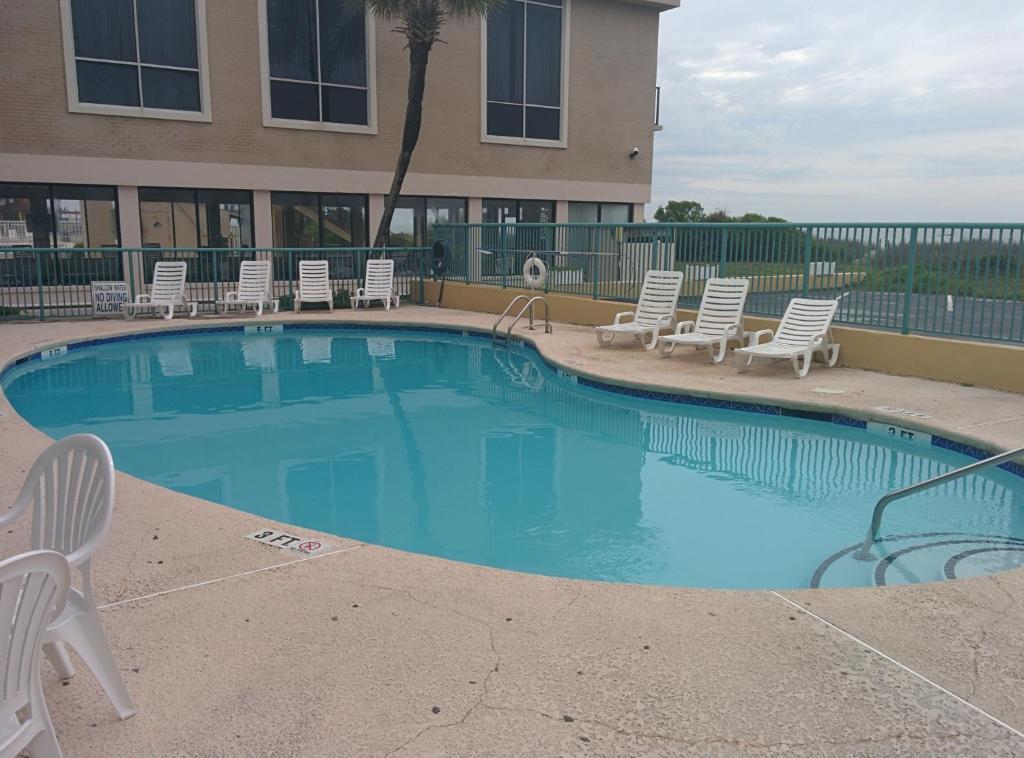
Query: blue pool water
x=439 y=444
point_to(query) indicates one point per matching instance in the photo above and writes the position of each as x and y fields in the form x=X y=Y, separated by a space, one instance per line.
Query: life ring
x=535 y=272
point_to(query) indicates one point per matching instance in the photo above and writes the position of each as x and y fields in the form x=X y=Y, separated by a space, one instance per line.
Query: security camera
x=634 y=153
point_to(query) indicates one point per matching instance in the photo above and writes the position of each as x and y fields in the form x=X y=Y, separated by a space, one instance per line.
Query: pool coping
x=939 y=436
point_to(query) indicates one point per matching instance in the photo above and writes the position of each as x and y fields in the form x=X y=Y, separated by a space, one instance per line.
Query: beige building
x=277 y=122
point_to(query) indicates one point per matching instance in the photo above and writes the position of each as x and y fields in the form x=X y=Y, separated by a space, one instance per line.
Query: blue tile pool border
x=680 y=398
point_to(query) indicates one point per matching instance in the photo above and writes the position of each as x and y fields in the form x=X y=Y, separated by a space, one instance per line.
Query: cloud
x=844 y=110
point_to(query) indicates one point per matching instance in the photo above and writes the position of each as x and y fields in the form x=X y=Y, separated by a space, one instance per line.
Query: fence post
x=595 y=274
x=722 y=248
x=131 y=275
x=909 y=295
x=39 y=282
x=423 y=264
x=216 y=278
x=807 y=263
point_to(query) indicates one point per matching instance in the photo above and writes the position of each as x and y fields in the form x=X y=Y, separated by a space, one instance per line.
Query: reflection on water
x=444 y=446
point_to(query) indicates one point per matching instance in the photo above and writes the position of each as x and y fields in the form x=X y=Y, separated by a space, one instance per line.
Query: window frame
x=320 y=126
x=205 y=114
x=519 y=208
x=194 y=200
x=320 y=215
x=51 y=199
x=563 y=130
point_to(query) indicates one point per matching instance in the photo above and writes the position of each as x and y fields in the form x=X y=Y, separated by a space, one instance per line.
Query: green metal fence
x=952 y=280
x=45 y=283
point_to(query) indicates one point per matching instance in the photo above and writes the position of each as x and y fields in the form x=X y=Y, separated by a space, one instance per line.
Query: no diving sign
x=292 y=542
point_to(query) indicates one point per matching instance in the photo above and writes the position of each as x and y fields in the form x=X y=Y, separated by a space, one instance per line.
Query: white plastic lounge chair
x=254 y=282
x=33 y=588
x=379 y=285
x=655 y=310
x=70 y=489
x=314 y=285
x=166 y=293
x=805 y=329
x=719 y=320
x=316 y=349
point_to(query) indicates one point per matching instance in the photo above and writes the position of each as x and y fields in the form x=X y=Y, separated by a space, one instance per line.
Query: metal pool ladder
x=864 y=553
x=498 y=338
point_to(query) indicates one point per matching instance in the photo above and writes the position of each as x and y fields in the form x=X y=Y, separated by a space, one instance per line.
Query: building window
x=525 y=70
x=45 y=215
x=311 y=219
x=600 y=213
x=70 y=217
x=518 y=211
x=318 y=59
x=188 y=218
x=415 y=217
x=136 y=57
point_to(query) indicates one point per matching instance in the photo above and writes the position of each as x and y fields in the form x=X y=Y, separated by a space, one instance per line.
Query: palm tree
x=420 y=21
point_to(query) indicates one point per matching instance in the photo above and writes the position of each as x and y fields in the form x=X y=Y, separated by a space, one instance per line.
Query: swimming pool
x=438 y=443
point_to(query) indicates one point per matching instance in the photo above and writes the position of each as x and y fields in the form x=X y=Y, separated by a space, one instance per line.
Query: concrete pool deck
x=232 y=648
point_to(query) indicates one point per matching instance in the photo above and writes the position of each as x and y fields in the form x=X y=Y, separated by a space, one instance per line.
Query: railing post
x=39 y=283
x=722 y=250
x=595 y=274
x=131 y=275
x=807 y=262
x=216 y=278
x=909 y=295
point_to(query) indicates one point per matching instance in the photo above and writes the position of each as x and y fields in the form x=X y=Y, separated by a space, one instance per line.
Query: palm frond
x=470 y=8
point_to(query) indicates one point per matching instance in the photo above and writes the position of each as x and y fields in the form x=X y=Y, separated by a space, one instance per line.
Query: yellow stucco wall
x=983 y=364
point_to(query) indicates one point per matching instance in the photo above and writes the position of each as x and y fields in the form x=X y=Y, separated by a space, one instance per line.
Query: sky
x=895 y=110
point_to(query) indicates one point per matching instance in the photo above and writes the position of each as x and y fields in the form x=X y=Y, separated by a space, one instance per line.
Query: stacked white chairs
x=805 y=329
x=33 y=589
x=719 y=320
x=166 y=293
x=655 y=310
x=70 y=492
x=254 y=284
x=314 y=285
x=379 y=284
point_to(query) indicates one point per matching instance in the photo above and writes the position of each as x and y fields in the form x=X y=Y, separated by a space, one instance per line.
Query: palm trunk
x=419 y=53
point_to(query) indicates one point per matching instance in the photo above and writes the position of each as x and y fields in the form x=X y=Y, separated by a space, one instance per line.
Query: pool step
x=915 y=558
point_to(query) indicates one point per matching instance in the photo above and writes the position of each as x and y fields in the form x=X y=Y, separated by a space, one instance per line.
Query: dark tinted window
x=294 y=101
x=104 y=29
x=524 y=65
x=170 y=88
x=159 y=47
x=505 y=53
x=342 y=43
x=322 y=42
x=291 y=37
x=167 y=33
x=108 y=83
x=309 y=219
x=344 y=105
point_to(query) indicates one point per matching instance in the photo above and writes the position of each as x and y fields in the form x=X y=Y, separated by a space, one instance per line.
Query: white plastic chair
x=379 y=285
x=314 y=285
x=719 y=320
x=33 y=588
x=70 y=489
x=167 y=291
x=254 y=282
x=655 y=310
x=805 y=329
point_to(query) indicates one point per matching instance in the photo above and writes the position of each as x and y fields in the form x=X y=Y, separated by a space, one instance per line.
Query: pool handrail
x=864 y=553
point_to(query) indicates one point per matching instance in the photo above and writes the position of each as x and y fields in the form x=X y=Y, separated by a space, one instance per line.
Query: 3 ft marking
x=900 y=433
x=291 y=542
x=53 y=352
x=264 y=328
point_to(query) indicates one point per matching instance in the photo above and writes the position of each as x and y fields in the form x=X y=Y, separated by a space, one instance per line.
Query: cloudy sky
x=841 y=110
